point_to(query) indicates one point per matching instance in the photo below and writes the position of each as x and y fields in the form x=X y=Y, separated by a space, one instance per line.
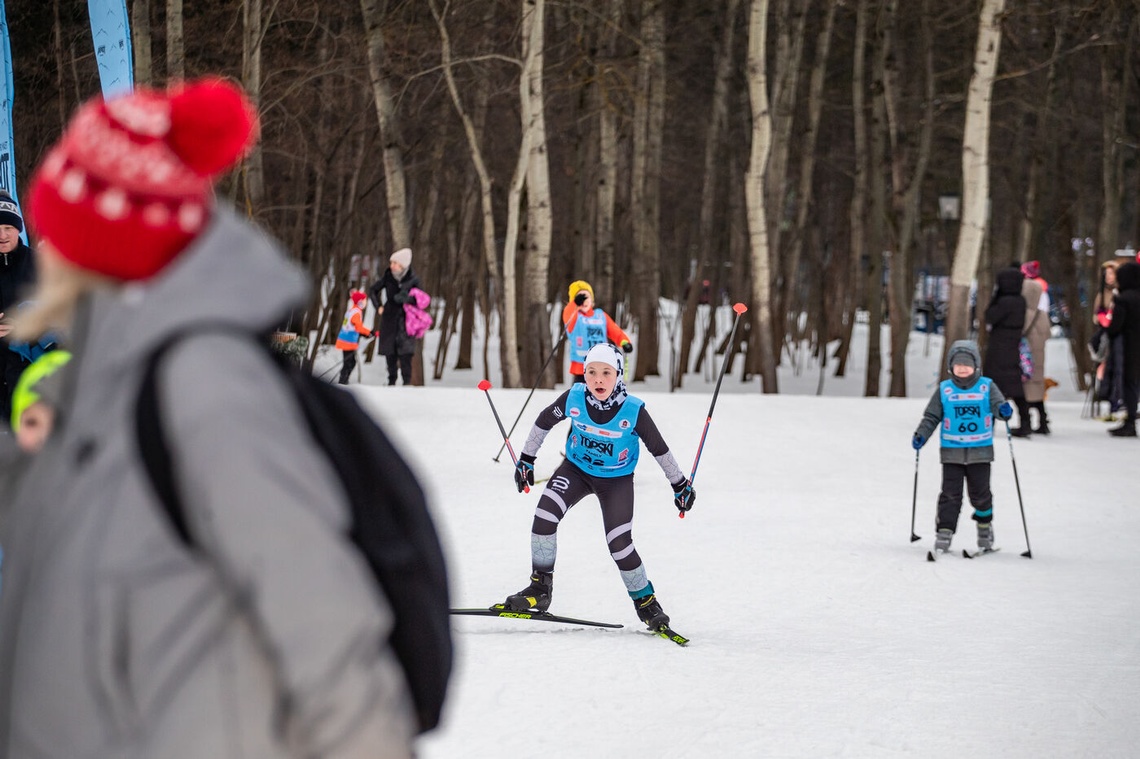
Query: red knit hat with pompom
x=130 y=183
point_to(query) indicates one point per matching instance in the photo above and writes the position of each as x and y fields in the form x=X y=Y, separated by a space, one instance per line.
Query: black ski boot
x=534 y=597
x=650 y=612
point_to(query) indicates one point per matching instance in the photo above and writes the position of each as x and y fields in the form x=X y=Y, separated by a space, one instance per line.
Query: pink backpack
x=417 y=321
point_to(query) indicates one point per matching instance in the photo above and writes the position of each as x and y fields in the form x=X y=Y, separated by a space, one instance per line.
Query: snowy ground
x=818 y=629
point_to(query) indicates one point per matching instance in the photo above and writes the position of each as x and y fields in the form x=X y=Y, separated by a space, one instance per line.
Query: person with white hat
x=394 y=342
x=608 y=427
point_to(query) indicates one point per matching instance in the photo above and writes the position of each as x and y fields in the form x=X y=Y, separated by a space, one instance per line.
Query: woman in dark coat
x=394 y=342
x=1005 y=318
x=1126 y=323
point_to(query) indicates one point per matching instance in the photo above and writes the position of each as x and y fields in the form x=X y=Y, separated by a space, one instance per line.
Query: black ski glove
x=524 y=472
x=683 y=495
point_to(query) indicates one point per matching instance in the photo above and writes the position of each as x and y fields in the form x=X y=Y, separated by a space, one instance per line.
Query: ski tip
x=966 y=554
x=484 y=385
x=930 y=556
x=739 y=308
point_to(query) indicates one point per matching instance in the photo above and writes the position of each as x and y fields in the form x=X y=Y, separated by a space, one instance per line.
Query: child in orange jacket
x=350 y=331
x=587 y=326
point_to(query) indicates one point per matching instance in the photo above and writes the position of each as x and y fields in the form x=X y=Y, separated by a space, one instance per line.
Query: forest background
x=814 y=159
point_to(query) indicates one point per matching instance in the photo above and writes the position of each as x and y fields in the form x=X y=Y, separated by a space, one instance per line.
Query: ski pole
x=739 y=308
x=914 y=501
x=536 y=381
x=1028 y=553
x=485 y=386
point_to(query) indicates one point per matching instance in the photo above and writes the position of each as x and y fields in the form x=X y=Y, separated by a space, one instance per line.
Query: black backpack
x=391 y=526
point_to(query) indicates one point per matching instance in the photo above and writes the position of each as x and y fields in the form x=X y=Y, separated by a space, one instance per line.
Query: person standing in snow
x=587 y=326
x=1035 y=290
x=351 y=329
x=395 y=285
x=963 y=407
x=1125 y=323
x=17 y=273
x=1005 y=319
x=607 y=428
x=270 y=639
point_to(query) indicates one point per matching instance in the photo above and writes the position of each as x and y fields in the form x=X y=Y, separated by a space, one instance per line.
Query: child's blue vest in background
x=588 y=331
x=603 y=450
x=966 y=418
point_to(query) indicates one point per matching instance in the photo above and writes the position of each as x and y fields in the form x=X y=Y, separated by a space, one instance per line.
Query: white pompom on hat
x=604 y=353
x=403 y=257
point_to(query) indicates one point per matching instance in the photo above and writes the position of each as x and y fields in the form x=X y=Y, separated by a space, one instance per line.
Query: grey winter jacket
x=115 y=641
x=932 y=416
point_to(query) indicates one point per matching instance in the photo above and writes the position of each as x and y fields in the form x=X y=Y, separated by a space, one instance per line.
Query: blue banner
x=111 y=33
x=7 y=146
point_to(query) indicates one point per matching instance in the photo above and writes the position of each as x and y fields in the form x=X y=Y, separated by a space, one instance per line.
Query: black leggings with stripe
x=568 y=485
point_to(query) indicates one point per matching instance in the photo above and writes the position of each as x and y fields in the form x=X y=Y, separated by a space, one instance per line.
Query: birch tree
x=754 y=194
x=140 y=42
x=975 y=172
x=507 y=305
x=175 y=48
x=536 y=275
x=394 y=183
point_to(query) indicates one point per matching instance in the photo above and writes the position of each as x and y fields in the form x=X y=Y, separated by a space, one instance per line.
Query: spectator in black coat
x=394 y=342
x=17 y=274
x=1005 y=318
x=1126 y=323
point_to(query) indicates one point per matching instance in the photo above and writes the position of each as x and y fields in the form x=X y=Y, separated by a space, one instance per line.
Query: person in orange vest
x=351 y=329
x=587 y=326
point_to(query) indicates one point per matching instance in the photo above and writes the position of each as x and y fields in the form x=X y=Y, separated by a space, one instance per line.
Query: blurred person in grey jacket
x=115 y=640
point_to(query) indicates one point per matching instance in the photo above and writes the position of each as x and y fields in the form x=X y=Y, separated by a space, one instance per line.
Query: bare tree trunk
x=607 y=176
x=878 y=223
x=791 y=20
x=140 y=42
x=175 y=49
x=645 y=184
x=394 y=183
x=975 y=172
x=754 y=192
x=714 y=138
x=536 y=274
x=253 y=26
x=858 y=212
x=907 y=196
x=1115 y=74
x=808 y=140
x=1027 y=234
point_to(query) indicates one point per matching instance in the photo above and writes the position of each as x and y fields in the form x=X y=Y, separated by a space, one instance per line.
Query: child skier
x=350 y=331
x=964 y=407
x=601 y=454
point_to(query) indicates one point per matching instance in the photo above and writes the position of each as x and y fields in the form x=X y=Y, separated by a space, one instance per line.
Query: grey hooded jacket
x=115 y=641
x=932 y=416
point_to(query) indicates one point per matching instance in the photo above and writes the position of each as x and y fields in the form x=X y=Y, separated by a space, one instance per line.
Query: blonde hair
x=58 y=289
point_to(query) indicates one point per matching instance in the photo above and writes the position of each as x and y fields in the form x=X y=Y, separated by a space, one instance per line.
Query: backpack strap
x=152 y=444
